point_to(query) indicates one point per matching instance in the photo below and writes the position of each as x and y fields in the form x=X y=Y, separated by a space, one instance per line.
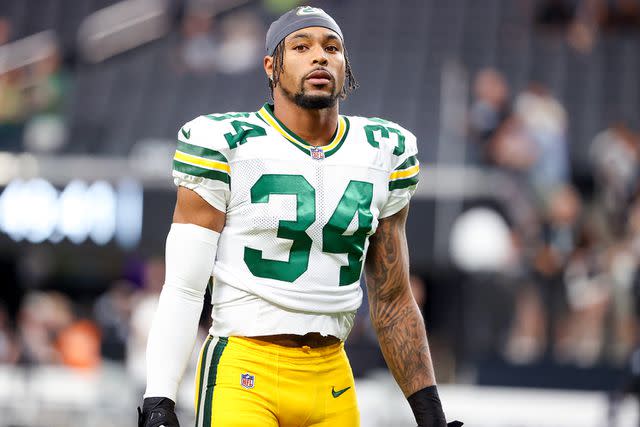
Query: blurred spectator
x=593 y=16
x=41 y=318
x=579 y=19
x=13 y=109
x=545 y=121
x=624 y=268
x=564 y=214
x=621 y=269
x=79 y=345
x=199 y=48
x=241 y=44
x=588 y=295
x=45 y=84
x=512 y=148
x=490 y=108
x=615 y=157
x=527 y=339
x=584 y=28
x=112 y=311
x=45 y=91
x=32 y=94
x=540 y=302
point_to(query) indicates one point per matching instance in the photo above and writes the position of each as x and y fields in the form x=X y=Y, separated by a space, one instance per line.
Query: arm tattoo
x=394 y=312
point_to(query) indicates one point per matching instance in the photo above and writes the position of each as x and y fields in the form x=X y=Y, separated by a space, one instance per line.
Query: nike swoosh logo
x=339 y=392
x=187 y=134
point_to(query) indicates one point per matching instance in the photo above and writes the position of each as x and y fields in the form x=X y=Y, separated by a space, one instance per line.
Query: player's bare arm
x=398 y=321
x=394 y=312
x=193 y=209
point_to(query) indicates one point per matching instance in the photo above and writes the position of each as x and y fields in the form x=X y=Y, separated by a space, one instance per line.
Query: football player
x=285 y=207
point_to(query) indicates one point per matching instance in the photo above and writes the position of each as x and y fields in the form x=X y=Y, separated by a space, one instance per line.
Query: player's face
x=313 y=70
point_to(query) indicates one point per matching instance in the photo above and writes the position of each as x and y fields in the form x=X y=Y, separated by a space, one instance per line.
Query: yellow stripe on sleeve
x=405 y=173
x=199 y=161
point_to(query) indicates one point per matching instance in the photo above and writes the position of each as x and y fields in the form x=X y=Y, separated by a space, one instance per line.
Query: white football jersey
x=298 y=217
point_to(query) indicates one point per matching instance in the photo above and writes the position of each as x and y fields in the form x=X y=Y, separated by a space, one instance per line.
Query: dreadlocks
x=350 y=85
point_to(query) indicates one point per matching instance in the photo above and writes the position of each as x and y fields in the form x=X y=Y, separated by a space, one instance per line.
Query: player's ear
x=268 y=66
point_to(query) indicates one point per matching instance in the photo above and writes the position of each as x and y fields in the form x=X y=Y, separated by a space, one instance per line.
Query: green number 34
x=356 y=200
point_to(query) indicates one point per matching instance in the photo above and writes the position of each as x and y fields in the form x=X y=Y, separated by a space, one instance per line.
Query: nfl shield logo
x=317 y=153
x=247 y=380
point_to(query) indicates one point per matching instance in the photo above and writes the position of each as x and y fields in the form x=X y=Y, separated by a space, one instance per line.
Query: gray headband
x=297 y=19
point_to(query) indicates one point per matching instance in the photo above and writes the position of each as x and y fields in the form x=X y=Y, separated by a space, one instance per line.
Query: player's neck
x=316 y=127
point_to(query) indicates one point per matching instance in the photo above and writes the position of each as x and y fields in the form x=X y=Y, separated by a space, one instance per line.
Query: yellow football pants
x=242 y=382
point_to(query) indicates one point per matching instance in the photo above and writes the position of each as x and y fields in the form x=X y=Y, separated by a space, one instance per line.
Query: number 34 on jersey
x=298 y=217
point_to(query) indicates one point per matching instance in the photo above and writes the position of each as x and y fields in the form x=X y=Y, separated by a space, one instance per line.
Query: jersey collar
x=340 y=135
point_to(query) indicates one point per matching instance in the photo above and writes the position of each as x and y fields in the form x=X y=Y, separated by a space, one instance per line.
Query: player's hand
x=158 y=412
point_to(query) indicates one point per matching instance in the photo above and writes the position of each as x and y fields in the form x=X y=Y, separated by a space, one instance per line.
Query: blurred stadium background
x=524 y=232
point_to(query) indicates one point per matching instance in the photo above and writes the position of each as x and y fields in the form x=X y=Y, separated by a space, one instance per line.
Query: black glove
x=427 y=408
x=454 y=424
x=157 y=412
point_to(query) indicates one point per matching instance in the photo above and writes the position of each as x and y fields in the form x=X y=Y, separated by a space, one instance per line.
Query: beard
x=311 y=102
x=314 y=102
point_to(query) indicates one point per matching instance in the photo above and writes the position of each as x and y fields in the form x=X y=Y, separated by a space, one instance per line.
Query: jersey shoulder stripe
x=410 y=162
x=197 y=168
x=405 y=175
x=199 y=151
x=199 y=161
x=203 y=149
x=202 y=162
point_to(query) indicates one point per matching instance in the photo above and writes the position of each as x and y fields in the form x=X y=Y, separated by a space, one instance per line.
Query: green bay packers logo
x=308 y=10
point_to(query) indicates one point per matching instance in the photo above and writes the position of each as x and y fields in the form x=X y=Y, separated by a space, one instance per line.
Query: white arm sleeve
x=190 y=256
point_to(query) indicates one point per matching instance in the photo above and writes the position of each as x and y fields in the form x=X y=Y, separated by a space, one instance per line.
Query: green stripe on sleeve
x=403 y=183
x=201 y=172
x=211 y=379
x=196 y=150
x=411 y=161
